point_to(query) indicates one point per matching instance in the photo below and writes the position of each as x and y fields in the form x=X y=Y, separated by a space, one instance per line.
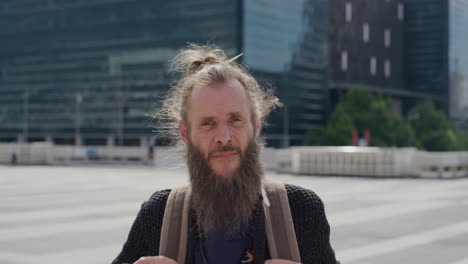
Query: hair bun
x=197 y=65
x=196 y=57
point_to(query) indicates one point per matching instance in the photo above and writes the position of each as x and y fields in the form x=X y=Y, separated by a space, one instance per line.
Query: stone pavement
x=83 y=214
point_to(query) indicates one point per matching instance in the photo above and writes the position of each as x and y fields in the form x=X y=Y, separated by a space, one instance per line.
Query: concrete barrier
x=371 y=162
x=46 y=153
x=326 y=161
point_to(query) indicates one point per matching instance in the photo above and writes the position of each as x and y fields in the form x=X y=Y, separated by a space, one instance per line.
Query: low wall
x=43 y=153
x=371 y=162
x=341 y=161
x=46 y=153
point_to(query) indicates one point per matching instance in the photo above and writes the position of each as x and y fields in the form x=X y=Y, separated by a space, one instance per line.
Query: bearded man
x=216 y=110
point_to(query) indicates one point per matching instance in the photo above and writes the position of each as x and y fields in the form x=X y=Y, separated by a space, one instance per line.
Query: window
x=400 y=11
x=349 y=12
x=373 y=65
x=387 y=38
x=365 y=32
x=387 y=68
x=344 y=60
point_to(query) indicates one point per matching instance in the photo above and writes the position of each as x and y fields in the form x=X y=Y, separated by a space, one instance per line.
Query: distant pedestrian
x=151 y=145
x=14 y=152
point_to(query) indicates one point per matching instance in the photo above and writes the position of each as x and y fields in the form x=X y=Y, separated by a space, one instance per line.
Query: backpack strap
x=281 y=239
x=174 y=230
x=279 y=226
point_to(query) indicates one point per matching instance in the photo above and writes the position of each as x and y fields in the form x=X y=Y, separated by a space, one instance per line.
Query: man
x=216 y=109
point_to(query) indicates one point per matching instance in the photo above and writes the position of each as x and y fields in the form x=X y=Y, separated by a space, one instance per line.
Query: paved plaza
x=82 y=215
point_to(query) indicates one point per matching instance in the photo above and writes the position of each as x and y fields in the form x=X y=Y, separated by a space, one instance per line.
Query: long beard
x=220 y=204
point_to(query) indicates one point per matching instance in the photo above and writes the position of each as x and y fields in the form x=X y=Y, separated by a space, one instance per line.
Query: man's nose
x=223 y=134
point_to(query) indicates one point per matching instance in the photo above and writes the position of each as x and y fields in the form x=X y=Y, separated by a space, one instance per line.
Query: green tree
x=435 y=131
x=339 y=130
x=462 y=140
x=360 y=110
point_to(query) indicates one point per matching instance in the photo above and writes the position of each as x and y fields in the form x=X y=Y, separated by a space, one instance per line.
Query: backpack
x=279 y=227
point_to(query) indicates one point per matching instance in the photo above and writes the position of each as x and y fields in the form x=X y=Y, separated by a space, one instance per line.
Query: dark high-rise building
x=393 y=47
x=426 y=48
x=366 y=47
x=436 y=59
x=366 y=44
x=91 y=71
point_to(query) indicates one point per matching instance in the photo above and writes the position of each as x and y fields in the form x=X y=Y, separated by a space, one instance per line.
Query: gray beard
x=220 y=204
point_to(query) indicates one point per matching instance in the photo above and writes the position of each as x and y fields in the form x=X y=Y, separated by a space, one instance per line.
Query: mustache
x=228 y=148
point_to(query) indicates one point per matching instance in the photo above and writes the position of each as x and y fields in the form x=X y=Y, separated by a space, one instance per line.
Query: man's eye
x=207 y=124
x=236 y=121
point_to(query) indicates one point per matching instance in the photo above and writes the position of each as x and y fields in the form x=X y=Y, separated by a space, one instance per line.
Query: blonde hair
x=203 y=66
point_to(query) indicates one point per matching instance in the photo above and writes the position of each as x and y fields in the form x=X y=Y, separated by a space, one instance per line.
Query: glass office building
x=426 y=49
x=458 y=60
x=285 y=44
x=91 y=72
x=436 y=55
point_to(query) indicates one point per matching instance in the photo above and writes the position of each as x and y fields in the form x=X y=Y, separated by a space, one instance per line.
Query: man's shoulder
x=157 y=200
x=303 y=199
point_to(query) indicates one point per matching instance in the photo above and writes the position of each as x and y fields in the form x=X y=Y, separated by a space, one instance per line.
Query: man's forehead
x=230 y=87
x=228 y=114
x=229 y=98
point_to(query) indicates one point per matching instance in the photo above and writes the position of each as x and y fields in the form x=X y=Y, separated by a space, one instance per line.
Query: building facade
x=436 y=59
x=394 y=47
x=426 y=49
x=366 y=43
x=366 y=48
x=286 y=46
x=91 y=72
x=458 y=61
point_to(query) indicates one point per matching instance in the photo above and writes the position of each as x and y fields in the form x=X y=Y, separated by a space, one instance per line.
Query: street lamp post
x=78 y=100
x=285 y=127
x=26 y=114
x=121 y=104
x=411 y=117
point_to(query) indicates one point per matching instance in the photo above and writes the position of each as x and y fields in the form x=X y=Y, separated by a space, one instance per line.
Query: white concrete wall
x=372 y=162
x=327 y=161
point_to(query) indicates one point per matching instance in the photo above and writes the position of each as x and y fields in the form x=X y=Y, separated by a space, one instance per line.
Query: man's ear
x=183 y=131
x=258 y=126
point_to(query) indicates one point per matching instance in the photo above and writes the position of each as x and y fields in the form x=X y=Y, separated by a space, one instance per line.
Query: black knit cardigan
x=307 y=209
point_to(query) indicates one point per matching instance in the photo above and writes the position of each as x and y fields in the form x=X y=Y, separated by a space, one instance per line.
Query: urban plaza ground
x=70 y=214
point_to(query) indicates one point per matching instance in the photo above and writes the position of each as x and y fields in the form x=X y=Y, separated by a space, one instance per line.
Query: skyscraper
x=426 y=48
x=436 y=59
x=285 y=44
x=368 y=49
x=458 y=61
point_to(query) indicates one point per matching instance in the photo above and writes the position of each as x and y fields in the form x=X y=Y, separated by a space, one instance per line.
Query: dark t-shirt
x=219 y=249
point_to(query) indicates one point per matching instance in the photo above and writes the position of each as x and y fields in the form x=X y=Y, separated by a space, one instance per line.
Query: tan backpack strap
x=174 y=230
x=279 y=226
